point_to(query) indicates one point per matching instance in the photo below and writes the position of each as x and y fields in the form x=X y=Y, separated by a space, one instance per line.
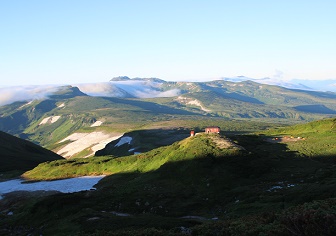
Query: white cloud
x=25 y=93
x=100 y=89
x=135 y=88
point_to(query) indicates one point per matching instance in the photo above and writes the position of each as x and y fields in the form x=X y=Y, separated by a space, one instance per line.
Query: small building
x=212 y=129
x=192 y=133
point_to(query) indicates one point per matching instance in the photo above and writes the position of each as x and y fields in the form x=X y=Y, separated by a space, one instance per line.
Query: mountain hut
x=212 y=129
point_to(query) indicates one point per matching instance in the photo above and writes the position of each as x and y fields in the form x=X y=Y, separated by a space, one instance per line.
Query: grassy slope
x=193 y=147
x=251 y=192
x=319 y=138
x=253 y=100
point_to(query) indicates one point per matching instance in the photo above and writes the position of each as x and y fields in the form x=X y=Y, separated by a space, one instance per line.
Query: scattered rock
x=185 y=230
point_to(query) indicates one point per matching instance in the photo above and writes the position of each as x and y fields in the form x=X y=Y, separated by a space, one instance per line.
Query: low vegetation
x=196 y=186
x=315 y=139
x=191 y=148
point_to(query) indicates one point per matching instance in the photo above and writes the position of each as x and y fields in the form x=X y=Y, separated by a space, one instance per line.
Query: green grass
x=319 y=138
x=190 y=148
x=268 y=189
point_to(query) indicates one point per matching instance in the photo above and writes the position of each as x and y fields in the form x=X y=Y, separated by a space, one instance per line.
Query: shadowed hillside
x=20 y=155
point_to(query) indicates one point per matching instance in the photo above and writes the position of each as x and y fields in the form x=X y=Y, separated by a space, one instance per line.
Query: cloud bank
x=134 y=88
x=100 y=89
x=129 y=88
x=26 y=93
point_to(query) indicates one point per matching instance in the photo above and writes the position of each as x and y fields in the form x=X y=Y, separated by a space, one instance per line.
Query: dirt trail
x=224 y=143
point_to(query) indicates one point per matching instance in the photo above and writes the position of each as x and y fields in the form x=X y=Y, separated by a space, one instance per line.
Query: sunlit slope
x=314 y=139
x=253 y=100
x=17 y=117
x=200 y=146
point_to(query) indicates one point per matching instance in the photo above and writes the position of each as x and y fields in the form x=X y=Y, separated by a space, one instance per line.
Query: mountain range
x=79 y=121
x=311 y=85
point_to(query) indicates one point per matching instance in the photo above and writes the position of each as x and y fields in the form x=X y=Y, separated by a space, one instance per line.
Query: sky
x=85 y=41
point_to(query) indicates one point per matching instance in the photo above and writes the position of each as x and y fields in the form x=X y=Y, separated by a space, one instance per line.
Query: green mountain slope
x=191 y=182
x=193 y=147
x=253 y=100
x=16 y=118
x=20 y=155
x=316 y=139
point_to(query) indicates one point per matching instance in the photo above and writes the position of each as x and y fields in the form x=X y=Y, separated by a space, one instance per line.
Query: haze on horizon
x=78 y=41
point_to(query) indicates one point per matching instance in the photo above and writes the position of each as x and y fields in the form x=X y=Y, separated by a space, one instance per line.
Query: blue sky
x=79 y=41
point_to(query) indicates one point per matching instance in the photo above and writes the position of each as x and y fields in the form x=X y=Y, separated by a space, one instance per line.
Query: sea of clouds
x=129 y=88
x=134 y=88
x=26 y=93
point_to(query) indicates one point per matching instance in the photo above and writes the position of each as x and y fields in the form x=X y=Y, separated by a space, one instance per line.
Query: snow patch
x=198 y=103
x=97 y=123
x=24 y=105
x=65 y=185
x=81 y=141
x=50 y=119
x=102 y=144
x=73 y=137
x=61 y=105
x=195 y=102
x=124 y=140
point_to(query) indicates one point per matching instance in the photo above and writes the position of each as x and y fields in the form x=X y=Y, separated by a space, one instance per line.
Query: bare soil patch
x=224 y=143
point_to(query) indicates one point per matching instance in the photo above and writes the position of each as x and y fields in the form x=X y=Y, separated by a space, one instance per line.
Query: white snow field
x=124 y=140
x=50 y=119
x=64 y=185
x=95 y=141
x=97 y=123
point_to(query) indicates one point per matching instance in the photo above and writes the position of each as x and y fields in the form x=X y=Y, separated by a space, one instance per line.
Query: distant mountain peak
x=271 y=81
x=120 y=78
x=67 y=91
x=126 y=78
